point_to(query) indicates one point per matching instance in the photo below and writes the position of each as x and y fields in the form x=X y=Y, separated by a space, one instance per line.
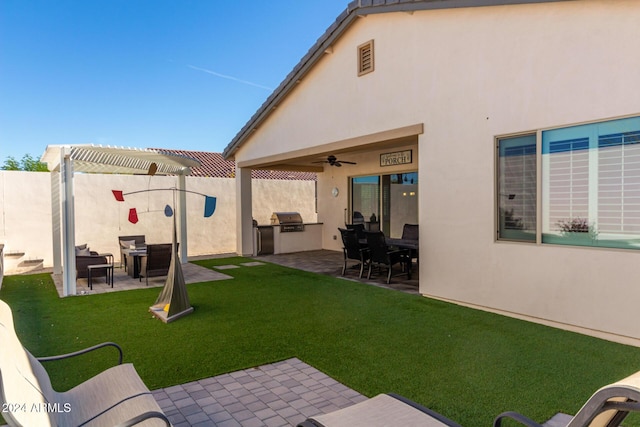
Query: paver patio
x=330 y=263
x=278 y=394
x=192 y=273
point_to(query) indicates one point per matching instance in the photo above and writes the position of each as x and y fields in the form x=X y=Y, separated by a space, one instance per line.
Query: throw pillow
x=83 y=252
x=126 y=244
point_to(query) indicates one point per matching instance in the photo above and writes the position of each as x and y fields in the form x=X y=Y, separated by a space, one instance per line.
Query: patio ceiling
x=119 y=160
x=309 y=159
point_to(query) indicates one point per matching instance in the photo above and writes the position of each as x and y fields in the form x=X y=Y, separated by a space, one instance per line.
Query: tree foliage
x=27 y=163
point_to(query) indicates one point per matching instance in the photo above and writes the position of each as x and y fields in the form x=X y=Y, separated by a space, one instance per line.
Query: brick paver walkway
x=279 y=394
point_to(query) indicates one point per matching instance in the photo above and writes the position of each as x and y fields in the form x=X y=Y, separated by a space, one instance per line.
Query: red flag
x=118 y=195
x=133 y=216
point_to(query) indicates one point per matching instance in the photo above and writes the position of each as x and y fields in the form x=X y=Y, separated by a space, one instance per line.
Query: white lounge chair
x=608 y=406
x=387 y=410
x=115 y=397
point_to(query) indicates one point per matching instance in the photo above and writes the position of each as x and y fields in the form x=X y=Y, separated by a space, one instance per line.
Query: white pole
x=68 y=224
x=182 y=212
x=56 y=211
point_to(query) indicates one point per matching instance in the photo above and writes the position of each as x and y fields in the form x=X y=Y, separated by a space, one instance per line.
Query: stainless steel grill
x=288 y=221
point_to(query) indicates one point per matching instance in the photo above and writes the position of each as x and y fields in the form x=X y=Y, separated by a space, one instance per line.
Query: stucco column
x=182 y=218
x=56 y=222
x=244 y=214
x=68 y=225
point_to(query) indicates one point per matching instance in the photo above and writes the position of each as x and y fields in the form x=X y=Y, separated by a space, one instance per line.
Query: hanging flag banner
x=209 y=202
x=209 y=206
x=118 y=195
x=133 y=216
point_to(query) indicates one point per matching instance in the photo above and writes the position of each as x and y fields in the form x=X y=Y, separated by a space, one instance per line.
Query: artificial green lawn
x=466 y=364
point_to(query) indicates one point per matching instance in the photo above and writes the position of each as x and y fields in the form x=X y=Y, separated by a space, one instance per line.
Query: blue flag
x=209 y=206
x=168 y=211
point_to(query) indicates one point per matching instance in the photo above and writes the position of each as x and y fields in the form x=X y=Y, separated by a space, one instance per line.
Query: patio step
x=15 y=262
x=14 y=255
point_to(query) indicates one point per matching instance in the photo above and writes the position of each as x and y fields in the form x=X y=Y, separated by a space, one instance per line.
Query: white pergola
x=64 y=160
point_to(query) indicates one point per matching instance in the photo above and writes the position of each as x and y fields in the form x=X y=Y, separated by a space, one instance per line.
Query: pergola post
x=182 y=217
x=68 y=224
x=56 y=221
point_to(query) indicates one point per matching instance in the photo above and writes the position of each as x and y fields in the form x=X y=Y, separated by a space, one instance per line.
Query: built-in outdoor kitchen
x=286 y=233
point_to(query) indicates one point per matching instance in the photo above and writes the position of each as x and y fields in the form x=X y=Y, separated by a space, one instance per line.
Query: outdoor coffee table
x=109 y=273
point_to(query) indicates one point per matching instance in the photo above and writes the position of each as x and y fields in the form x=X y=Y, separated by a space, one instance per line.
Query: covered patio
x=371 y=179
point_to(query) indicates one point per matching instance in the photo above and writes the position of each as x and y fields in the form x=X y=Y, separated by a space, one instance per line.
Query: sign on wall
x=396 y=158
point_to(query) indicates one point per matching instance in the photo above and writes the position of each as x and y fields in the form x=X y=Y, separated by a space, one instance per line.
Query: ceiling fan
x=333 y=161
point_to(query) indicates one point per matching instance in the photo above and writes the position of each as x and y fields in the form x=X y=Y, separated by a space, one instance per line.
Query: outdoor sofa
x=86 y=257
x=115 y=397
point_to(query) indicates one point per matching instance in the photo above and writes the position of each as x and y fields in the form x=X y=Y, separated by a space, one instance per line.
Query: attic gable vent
x=365 y=58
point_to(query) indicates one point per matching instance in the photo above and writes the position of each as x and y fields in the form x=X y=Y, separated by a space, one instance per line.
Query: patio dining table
x=134 y=257
x=411 y=244
x=399 y=243
x=403 y=243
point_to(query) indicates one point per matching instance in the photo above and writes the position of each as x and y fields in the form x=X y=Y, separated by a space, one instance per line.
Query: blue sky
x=183 y=74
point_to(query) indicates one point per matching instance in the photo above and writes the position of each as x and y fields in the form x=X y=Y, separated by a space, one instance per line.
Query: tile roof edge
x=214 y=165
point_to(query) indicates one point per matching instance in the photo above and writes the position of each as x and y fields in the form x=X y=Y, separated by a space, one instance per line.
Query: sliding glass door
x=385 y=202
x=365 y=199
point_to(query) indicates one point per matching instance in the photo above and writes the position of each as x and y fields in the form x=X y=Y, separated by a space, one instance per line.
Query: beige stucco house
x=507 y=129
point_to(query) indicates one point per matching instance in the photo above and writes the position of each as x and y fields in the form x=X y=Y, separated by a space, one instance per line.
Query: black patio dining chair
x=156 y=262
x=410 y=232
x=359 y=228
x=381 y=255
x=353 y=250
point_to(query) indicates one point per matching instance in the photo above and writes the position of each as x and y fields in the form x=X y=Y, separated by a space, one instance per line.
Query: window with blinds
x=568 y=172
x=365 y=58
x=591 y=184
x=517 y=188
x=619 y=183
